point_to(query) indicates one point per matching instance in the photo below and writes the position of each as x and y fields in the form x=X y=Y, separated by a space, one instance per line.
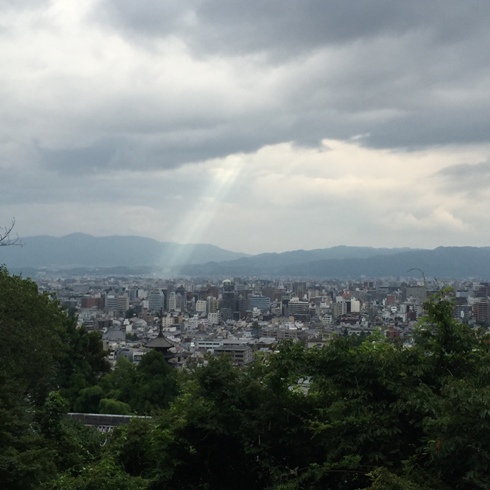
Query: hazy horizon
x=340 y=245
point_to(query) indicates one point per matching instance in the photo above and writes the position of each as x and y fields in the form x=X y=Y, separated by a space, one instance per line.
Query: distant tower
x=161 y=343
x=172 y=301
x=181 y=299
x=211 y=304
x=228 y=301
x=155 y=301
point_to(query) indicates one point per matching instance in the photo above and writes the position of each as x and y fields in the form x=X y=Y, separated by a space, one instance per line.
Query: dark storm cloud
x=404 y=74
x=138 y=153
x=465 y=177
x=426 y=128
x=164 y=148
x=81 y=160
x=289 y=27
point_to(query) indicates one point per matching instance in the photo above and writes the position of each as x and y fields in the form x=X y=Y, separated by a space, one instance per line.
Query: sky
x=257 y=126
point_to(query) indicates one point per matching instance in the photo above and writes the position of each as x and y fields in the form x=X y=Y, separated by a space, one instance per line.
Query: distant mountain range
x=289 y=263
x=81 y=253
x=353 y=262
x=79 y=250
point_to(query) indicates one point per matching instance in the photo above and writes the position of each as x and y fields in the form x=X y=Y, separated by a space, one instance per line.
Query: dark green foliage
x=144 y=389
x=30 y=328
x=25 y=459
x=50 y=416
x=107 y=405
x=120 y=382
x=133 y=446
x=88 y=400
x=206 y=440
x=82 y=361
x=104 y=474
x=156 y=384
x=35 y=443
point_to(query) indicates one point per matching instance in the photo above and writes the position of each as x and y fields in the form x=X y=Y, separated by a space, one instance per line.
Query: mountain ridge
x=443 y=262
x=84 y=250
x=135 y=255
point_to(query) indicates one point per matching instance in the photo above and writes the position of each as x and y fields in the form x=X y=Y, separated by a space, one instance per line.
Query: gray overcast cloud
x=256 y=126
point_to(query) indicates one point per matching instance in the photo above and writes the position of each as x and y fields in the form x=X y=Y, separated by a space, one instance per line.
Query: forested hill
x=344 y=262
x=138 y=255
x=81 y=250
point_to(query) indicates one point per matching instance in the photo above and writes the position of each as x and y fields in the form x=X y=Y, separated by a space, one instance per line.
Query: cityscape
x=243 y=316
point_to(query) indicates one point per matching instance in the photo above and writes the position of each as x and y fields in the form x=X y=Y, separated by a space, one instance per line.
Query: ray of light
x=199 y=219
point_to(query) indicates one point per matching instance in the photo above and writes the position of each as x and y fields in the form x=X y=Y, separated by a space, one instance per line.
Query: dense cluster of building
x=188 y=319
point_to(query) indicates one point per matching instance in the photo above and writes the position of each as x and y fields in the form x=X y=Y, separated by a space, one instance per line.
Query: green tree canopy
x=36 y=343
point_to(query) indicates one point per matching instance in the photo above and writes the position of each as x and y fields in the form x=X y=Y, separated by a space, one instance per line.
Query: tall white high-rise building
x=201 y=306
x=172 y=301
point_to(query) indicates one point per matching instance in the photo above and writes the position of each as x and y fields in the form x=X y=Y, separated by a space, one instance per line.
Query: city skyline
x=256 y=127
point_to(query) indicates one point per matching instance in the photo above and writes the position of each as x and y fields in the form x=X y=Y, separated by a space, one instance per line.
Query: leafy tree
x=25 y=461
x=33 y=440
x=82 y=361
x=133 y=447
x=50 y=416
x=30 y=326
x=73 y=445
x=120 y=383
x=201 y=440
x=88 y=400
x=146 y=388
x=453 y=398
x=156 y=384
x=108 y=406
x=104 y=474
x=132 y=312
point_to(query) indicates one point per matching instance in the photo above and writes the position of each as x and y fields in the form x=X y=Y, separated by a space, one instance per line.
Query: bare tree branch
x=6 y=238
